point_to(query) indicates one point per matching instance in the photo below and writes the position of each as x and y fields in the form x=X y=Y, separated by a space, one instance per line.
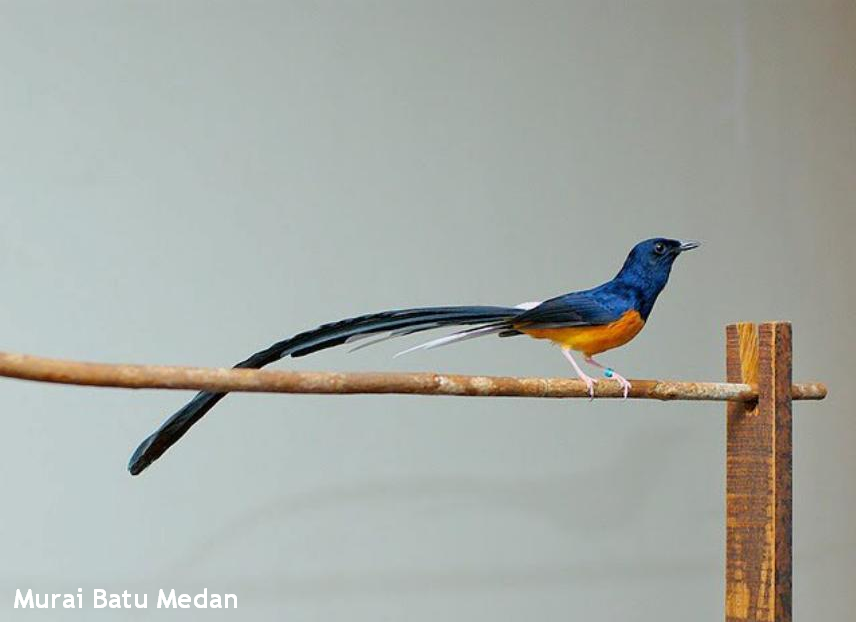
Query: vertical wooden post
x=758 y=476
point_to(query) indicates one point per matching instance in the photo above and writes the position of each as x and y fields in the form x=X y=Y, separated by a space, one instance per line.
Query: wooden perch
x=27 y=367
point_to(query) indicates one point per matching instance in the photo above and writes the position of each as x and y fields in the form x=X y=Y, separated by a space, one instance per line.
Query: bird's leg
x=590 y=382
x=611 y=373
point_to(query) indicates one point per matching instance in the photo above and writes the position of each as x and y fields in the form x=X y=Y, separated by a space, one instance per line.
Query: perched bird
x=590 y=322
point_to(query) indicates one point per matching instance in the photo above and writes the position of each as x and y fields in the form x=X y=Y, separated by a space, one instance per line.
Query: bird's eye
x=659 y=248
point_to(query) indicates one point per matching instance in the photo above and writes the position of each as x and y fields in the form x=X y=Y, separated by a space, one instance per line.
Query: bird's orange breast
x=591 y=340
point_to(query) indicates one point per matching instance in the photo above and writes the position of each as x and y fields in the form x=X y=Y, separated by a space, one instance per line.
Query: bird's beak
x=689 y=245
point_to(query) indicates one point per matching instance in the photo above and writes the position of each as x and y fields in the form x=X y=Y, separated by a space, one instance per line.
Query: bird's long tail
x=396 y=323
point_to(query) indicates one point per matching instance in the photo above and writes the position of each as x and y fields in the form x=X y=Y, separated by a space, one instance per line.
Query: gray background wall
x=184 y=182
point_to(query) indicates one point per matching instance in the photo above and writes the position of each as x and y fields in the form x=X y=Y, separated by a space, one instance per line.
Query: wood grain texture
x=759 y=475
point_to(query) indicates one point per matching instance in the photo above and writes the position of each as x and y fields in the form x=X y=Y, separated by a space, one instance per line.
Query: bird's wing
x=588 y=308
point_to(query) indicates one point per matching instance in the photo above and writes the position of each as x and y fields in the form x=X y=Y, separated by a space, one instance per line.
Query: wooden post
x=759 y=476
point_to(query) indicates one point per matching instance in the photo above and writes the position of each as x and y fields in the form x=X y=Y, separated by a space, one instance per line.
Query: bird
x=590 y=322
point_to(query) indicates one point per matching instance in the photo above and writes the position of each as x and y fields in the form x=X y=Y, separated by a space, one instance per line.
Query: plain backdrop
x=186 y=182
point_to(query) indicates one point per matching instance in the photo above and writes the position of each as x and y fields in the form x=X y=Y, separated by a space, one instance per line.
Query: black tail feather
x=326 y=336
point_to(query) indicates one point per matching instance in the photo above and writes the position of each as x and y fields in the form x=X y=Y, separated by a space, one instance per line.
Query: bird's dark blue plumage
x=636 y=286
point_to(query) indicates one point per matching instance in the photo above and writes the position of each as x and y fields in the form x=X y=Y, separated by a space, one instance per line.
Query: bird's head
x=649 y=263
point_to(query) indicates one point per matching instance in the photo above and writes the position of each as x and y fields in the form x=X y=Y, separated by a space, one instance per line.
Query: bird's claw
x=590 y=382
x=625 y=384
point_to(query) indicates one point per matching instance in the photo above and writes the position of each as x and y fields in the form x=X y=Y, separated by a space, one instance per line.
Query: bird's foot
x=590 y=383
x=625 y=384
